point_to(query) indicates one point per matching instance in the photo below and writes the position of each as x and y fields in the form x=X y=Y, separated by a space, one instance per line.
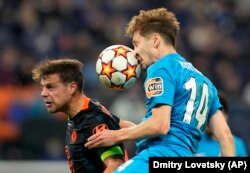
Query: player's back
x=192 y=96
x=195 y=96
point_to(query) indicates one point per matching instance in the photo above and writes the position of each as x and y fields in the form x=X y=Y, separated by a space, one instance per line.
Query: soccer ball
x=117 y=67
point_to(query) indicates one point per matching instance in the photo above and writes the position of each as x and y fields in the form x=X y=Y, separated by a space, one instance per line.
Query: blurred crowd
x=214 y=35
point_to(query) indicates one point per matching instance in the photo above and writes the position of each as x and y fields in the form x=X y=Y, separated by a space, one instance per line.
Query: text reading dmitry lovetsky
x=215 y=164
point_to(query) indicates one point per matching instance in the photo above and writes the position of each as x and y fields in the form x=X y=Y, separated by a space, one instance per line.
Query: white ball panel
x=131 y=58
x=138 y=70
x=107 y=56
x=118 y=78
x=105 y=80
x=130 y=82
x=119 y=63
x=98 y=66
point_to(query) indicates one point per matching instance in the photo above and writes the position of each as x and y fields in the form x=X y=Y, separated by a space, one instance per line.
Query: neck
x=163 y=51
x=75 y=105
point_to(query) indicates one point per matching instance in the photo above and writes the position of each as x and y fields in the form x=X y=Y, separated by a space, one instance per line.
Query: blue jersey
x=210 y=147
x=174 y=81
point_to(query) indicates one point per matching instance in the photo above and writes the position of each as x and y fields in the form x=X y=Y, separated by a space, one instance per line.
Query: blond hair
x=158 y=20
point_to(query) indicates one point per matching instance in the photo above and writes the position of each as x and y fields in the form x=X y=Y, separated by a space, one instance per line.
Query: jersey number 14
x=201 y=112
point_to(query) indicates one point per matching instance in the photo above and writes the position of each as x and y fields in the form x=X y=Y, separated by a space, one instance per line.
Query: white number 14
x=201 y=112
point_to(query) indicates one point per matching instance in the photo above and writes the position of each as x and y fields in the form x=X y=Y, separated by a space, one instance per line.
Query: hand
x=104 y=138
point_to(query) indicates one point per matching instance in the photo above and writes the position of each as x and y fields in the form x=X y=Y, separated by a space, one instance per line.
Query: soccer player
x=180 y=100
x=62 y=83
x=209 y=146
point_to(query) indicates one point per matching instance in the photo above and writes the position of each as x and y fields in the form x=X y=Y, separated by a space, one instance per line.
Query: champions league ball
x=117 y=67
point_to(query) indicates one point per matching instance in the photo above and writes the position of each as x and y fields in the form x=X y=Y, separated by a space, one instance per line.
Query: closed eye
x=49 y=86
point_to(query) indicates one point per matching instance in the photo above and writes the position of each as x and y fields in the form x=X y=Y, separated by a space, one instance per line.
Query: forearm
x=223 y=134
x=228 y=147
x=158 y=124
x=112 y=165
x=147 y=129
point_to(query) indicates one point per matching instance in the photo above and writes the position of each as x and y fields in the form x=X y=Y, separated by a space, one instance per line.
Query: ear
x=156 y=40
x=72 y=87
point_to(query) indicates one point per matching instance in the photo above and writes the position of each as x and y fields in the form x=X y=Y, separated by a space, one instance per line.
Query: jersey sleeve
x=215 y=104
x=160 y=88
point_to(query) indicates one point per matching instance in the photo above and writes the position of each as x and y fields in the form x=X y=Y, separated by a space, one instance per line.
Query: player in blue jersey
x=180 y=100
x=209 y=146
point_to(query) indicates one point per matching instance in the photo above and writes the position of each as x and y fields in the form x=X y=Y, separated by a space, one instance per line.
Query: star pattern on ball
x=107 y=69
x=130 y=71
x=117 y=67
x=120 y=51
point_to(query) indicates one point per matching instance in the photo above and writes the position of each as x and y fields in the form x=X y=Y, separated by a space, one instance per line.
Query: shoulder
x=165 y=65
x=170 y=60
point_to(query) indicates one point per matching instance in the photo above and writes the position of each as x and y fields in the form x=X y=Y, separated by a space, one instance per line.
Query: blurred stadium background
x=215 y=36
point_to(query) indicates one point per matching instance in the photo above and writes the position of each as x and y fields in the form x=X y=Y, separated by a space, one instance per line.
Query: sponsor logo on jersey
x=73 y=136
x=154 y=87
x=99 y=128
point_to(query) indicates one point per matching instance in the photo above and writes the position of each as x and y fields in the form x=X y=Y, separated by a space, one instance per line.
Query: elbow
x=227 y=145
x=228 y=136
x=160 y=130
x=231 y=139
x=164 y=130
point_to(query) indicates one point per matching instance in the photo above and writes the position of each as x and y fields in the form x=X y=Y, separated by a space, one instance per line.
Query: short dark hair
x=68 y=69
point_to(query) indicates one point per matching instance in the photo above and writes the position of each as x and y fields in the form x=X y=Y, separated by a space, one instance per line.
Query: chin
x=144 y=66
x=52 y=111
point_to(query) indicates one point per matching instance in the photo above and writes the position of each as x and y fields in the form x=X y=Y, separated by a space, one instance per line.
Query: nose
x=137 y=56
x=135 y=50
x=44 y=92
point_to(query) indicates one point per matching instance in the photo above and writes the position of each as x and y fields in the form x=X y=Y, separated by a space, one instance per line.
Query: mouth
x=48 y=104
x=139 y=58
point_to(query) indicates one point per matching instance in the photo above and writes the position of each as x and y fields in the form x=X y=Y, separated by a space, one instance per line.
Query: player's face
x=55 y=93
x=144 y=49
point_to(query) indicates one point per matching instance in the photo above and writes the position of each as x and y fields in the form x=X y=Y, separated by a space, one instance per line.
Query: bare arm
x=125 y=123
x=221 y=131
x=157 y=124
x=112 y=163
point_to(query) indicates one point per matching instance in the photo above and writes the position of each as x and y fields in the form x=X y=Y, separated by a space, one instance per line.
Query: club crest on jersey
x=154 y=87
x=99 y=128
x=73 y=136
